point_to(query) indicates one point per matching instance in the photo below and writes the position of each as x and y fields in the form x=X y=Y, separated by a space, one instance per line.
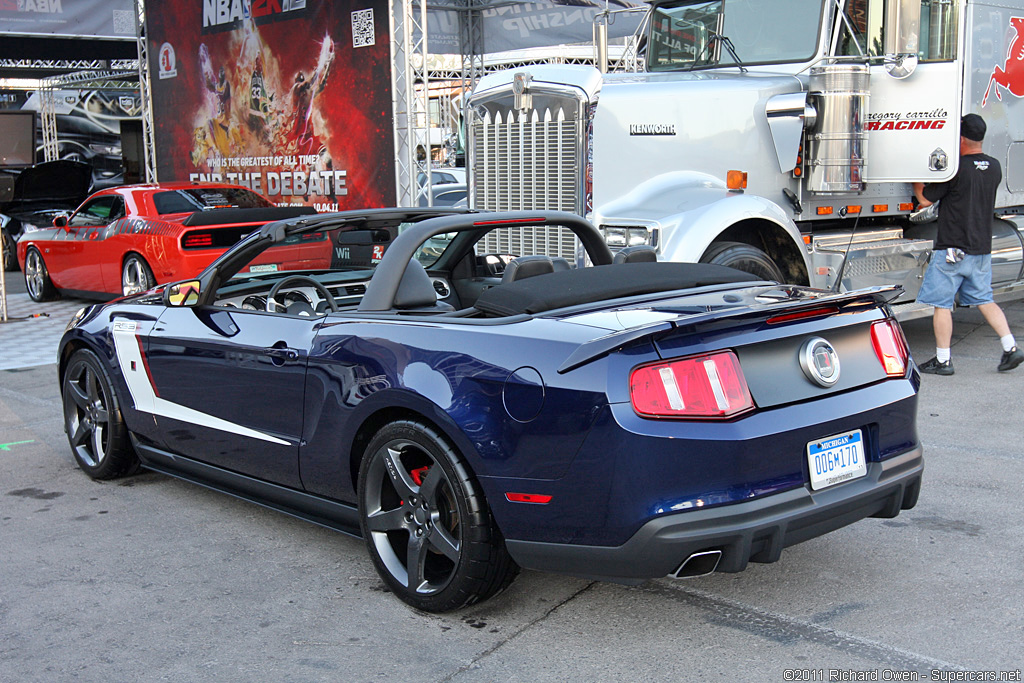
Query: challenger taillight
x=890 y=347
x=197 y=240
x=709 y=386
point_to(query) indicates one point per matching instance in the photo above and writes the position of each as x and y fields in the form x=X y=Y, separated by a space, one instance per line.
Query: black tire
x=441 y=525
x=10 y=251
x=92 y=420
x=743 y=257
x=136 y=275
x=37 y=277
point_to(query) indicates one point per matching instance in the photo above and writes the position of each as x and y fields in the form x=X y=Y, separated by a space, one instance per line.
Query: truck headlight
x=625 y=236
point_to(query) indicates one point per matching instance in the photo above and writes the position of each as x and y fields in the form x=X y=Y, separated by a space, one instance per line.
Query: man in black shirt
x=962 y=258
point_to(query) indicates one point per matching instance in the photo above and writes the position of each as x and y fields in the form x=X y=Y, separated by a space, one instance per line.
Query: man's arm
x=919 y=193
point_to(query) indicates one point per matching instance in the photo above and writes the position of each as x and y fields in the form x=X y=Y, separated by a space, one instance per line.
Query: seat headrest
x=527 y=266
x=640 y=253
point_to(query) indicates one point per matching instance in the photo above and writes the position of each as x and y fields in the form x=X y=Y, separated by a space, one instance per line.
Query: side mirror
x=902 y=35
x=182 y=294
x=60 y=220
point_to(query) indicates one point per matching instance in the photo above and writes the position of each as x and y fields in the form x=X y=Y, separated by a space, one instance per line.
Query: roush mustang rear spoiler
x=779 y=303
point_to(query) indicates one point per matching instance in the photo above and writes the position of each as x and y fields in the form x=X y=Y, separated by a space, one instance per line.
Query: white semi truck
x=777 y=136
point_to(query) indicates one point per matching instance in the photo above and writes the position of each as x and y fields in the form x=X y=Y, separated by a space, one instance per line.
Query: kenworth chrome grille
x=524 y=160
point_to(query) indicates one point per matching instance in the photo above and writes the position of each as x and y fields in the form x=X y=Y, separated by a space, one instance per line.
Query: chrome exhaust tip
x=698 y=564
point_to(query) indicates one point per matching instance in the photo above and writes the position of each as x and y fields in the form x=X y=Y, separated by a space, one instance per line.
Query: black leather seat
x=527 y=266
x=640 y=253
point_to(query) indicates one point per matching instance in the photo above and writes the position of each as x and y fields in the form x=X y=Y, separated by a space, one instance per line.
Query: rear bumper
x=754 y=531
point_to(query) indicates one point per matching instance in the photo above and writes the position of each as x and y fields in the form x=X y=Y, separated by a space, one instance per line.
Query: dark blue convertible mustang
x=468 y=414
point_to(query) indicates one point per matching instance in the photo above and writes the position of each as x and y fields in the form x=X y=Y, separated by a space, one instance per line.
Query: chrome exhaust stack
x=698 y=564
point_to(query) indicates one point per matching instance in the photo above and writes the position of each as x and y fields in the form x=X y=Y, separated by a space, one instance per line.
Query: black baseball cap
x=973 y=127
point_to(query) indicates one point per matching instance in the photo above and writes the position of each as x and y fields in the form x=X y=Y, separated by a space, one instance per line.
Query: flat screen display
x=17 y=138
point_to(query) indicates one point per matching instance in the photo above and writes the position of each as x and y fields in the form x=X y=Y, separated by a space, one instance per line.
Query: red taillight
x=706 y=386
x=890 y=347
x=197 y=240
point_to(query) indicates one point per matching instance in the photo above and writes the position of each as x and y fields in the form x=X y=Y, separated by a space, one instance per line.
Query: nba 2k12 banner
x=291 y=98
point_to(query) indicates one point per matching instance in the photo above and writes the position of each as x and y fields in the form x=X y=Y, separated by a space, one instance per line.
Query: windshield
x=684 y=35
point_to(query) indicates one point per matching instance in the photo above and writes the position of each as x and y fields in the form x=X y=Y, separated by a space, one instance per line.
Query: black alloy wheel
x=93 y=421
x=425 y=521
x=136 y=276
x=10 y=251
x=37 y=278
x=744 y=257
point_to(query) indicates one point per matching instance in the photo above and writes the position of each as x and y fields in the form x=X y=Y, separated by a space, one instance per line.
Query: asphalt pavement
x=153 y=579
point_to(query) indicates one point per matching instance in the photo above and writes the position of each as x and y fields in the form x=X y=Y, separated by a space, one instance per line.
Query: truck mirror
x=902 y=33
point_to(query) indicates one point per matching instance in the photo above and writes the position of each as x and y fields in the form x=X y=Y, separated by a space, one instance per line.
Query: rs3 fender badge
x=820 y=362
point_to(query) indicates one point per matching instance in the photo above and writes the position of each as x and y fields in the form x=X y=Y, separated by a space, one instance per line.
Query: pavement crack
x=515 y=634
x=785 y=629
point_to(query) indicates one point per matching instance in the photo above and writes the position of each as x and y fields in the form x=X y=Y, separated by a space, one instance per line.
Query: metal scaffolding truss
x=145 y=96
x=409 y=90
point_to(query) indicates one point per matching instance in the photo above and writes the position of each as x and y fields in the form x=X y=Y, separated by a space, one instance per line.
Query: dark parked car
x=38 y=194
x=448 y=194
x=623 y=421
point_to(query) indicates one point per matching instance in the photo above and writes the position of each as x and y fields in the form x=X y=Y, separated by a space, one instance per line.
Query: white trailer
x=777 y=136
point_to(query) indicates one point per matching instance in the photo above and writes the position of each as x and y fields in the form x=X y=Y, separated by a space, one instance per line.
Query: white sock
x=942 y=355
x=1008 y=342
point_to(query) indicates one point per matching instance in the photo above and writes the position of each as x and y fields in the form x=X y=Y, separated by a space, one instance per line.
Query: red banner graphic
x=294 y=104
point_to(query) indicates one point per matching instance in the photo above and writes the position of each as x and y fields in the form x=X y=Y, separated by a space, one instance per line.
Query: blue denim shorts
x=971 y=278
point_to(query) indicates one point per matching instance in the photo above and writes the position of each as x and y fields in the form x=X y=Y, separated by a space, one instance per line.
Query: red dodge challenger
x=129 y=239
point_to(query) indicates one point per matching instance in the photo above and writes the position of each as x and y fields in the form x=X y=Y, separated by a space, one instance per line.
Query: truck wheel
x=743 y=257
x=427 y=526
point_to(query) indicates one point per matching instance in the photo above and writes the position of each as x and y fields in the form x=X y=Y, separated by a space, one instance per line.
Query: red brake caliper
x=418 y=474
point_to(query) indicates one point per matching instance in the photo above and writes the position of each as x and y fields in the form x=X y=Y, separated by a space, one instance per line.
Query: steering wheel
x=299 y=279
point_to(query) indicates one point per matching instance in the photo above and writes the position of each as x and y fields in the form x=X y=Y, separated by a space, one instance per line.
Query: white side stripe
x=129 y=355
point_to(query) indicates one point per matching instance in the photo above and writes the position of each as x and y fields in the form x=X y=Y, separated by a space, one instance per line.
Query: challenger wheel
x=92 y=420
x=427 y=526
x=743 y=257
x=37 y=278
x=136 y=276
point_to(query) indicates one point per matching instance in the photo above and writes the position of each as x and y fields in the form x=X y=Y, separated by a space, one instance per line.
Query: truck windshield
x=686 y=35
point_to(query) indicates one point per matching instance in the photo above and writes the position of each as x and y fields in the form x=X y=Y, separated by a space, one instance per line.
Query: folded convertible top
x=588 y=285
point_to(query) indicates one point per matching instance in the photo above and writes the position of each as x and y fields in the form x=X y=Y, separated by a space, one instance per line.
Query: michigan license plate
x=836 y=459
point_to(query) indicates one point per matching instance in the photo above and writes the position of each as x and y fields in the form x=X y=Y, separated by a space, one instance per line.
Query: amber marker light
x=879 y=208
x=736 y=180
x=853 y=209
x=824 y=210
x=906 y=206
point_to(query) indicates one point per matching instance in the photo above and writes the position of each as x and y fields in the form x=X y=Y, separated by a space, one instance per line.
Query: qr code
x=362 y=28
x=124 y=22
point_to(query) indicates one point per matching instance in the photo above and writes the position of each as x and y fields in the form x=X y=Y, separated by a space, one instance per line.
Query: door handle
x=281 y=352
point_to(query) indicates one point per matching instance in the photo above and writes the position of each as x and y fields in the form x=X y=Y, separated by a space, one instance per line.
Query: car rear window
x=200 y=199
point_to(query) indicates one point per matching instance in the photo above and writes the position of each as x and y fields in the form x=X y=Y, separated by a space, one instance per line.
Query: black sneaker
x=1011 y=359
x=934 y=367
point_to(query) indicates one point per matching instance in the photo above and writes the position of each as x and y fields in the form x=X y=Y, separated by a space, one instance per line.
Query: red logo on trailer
x=1011 y=74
